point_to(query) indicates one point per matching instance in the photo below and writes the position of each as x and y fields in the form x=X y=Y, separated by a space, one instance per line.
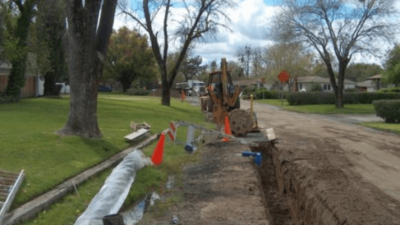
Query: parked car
x=104 y=89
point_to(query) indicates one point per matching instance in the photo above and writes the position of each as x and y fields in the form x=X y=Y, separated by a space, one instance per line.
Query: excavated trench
x=288 y=202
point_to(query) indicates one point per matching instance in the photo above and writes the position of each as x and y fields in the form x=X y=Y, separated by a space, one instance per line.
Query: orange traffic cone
x=183 y=95
x=227 y=129
x=157 y=156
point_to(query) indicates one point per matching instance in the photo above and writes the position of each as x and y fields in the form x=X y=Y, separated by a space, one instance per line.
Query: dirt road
x=333 y=172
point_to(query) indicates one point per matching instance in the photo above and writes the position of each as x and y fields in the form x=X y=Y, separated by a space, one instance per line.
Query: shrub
x=314 y=87
x=263 y=94
x=248 y=90
x=389 y=110
x=352 y=90
x=137 y=91
x=390 y=90
x=313 y=98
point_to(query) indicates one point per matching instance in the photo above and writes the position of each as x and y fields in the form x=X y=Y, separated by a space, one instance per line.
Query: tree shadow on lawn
x=166 y=110
x=101 y=147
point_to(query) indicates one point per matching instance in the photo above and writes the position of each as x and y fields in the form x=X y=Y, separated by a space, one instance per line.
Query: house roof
x=5 y=65
x=375 y=77
x=317 y=79
x=367 y=83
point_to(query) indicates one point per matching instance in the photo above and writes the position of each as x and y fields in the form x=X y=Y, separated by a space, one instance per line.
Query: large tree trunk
x=165 y=93
x=166 y=97
x=84 y=79
x=88 y=43
x=342 y=70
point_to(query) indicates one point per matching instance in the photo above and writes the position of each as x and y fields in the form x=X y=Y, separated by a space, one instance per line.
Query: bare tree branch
x=344 y=27
x=199 y=18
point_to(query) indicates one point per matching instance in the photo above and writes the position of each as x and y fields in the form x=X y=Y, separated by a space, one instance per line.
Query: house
x=255 y=83
x=377 y=81
x=304 y=82
x=373 y=84
x=33 y=84
x=366 y=86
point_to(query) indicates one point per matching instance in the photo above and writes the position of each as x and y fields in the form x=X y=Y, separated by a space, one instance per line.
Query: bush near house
x=314 y=98
x=389 y=90
x=262 y=94
x=137 y=91
x=314 y=87
x=389 y=110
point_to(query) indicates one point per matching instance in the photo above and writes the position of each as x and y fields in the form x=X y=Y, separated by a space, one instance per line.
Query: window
x=301 y=86
x=325 y=87
x=329 y=87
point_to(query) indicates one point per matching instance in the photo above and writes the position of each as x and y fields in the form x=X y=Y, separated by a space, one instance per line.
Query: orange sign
x=284 y=76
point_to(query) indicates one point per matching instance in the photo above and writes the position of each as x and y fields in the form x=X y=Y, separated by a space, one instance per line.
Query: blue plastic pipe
x=257 y=156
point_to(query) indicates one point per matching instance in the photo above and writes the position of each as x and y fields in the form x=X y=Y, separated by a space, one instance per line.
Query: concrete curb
x=30 y=209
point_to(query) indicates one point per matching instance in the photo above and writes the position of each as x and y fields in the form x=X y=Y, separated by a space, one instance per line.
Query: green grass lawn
x=28 y=139
x=393 y=127
x=322 y=109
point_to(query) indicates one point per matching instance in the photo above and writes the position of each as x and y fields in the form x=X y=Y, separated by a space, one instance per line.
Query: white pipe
x=115 y=189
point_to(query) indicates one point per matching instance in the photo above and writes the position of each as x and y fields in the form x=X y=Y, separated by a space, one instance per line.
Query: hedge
x=388 y=90
x=389 y=110
x=263 y=94
x=137 y=91
x=314 y=98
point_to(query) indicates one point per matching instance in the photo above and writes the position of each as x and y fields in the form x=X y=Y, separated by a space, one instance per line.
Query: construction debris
x=136 y=126
x=134 y=135
x=9 y=185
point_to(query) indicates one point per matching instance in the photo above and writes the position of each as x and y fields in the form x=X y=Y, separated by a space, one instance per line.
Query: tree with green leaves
x=391 y=74
x=50 y=31
x=290 y=57
x=129 y=57
x=89 y=29
x=361 y=71
x=196 y=21
x=19 y=33
x=338 y=28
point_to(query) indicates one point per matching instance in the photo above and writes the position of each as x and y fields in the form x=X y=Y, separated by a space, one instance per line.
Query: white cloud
x=250 y=22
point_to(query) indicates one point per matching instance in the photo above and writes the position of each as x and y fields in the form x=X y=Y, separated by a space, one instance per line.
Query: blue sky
x=249 y=24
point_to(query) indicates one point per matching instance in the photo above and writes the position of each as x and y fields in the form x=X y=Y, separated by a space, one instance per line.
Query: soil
x=223 y=188
x=323 y=170
x=333 y=172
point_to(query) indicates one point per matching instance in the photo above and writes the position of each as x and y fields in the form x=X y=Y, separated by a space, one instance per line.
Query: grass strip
x=392 y=127
x=28 y=139
x=322 y=109
x=147 y=180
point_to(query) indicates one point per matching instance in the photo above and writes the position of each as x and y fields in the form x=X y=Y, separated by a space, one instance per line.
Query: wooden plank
x=8 y=174
x=136 y=134
x=7 y=181
x=30 y=209
x=147 y=125
x=270 y=134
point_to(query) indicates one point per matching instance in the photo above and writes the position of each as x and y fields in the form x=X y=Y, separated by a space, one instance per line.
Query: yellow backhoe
x=223 y=100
